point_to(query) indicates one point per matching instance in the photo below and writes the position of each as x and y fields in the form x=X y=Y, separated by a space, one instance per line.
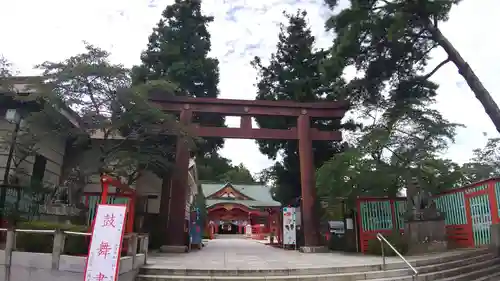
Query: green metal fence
x=468 y=213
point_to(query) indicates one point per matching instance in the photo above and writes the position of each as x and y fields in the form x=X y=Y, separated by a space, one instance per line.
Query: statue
x=421 y=206
x=425 y=229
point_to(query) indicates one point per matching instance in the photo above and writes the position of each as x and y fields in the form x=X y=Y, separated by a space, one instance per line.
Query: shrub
x=396 y=239
x=43 y=243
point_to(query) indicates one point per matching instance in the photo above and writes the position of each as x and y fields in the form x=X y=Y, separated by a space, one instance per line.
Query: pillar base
x=313 y=249
x=173 y=249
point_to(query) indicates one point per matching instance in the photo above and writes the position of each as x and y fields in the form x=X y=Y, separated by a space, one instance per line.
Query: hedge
x=43 y=243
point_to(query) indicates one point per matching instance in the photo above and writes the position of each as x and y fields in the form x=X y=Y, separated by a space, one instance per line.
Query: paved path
x=249 y=254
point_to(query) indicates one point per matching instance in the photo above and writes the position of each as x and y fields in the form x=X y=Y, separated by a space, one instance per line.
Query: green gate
x=93 y=200
x=375 y=215
x=481 y=219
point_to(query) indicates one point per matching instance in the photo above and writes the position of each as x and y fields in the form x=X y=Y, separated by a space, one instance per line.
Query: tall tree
x=393 y=149
x=392 y=41
x=295 y=73
x=5 y=68
x=485 y=162
x=238 y=175
x=178 y=52
x=126 y=133
x=212 y=166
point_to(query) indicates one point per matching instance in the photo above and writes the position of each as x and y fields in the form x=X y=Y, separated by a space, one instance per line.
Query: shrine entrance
x=228 y=227
x=304 y=131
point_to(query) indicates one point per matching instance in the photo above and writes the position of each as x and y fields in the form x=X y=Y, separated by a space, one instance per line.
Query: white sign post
x=105 y=246
x=289 y=226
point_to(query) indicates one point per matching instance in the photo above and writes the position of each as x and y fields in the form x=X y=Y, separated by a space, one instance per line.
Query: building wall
x=50 y=146
x=149 y=184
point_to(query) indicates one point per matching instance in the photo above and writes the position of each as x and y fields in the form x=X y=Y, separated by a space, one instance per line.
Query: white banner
x=105 y=247
x=289 y=226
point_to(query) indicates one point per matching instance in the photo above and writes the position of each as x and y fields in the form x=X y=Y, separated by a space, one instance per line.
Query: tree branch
x=428 y=75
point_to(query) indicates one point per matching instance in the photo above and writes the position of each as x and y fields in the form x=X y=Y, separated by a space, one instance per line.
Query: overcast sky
x=33 y=31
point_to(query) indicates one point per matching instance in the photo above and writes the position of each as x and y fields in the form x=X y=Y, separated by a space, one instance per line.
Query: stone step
x=492 y=277
x=427 y=273
x=471 y=271
x=456 y=258
x=491 y=273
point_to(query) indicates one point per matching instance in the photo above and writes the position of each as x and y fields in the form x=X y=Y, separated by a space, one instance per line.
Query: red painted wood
x=493 y=202
x=360 y=225
x=105 y=189
x=307 y=183
x=330 y=109
x=234 y=206
x=176 y=222
x=245 y=108
x=476 y=193
x=228 y=188
x=262 y=133
x=468 y=215
x=464 y=188
x=393 y=213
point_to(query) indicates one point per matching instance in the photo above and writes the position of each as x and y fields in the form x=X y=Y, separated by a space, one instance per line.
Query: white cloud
x=34 y=31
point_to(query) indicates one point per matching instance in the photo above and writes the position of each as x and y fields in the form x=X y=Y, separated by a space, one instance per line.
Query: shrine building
x=231 y=207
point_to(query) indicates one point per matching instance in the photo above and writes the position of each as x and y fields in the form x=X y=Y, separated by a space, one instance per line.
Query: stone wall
x=38 y=267
x=26 y=266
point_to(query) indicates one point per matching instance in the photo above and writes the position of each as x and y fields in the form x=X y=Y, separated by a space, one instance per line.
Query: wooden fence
x=469 y=213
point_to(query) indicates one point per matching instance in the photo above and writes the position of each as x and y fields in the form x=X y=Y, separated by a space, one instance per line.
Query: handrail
x=382 y=239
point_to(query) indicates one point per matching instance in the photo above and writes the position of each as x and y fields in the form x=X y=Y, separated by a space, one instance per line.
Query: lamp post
x=12 y=116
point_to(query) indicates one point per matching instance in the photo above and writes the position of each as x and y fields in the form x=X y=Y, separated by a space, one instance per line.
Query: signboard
x=336 y=227
x=289 y=226
x=105 y=246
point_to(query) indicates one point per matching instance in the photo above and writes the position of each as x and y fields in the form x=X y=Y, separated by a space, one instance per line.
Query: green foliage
x=484 y=163
x=6 y=71
x=396 y=239
x=215 y=168
x=389 y=42
x=129 y=133
x=295 y=72
x=238 y=175
x=43 y=243
x=178 y=52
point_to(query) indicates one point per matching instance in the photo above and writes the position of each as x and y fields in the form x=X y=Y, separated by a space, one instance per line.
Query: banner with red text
x=105 y=246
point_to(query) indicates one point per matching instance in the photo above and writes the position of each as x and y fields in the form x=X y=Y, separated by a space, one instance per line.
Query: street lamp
x=12 y=116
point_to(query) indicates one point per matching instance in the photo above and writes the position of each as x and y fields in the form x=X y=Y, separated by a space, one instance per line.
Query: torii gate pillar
x=177 y=230
x=307 y=182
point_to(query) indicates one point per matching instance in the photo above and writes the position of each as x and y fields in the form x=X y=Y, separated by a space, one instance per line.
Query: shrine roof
x=248 y=203
x=259 y=195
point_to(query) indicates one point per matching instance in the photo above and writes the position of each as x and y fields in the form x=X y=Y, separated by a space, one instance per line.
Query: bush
x=396 y=239
x=43 y=243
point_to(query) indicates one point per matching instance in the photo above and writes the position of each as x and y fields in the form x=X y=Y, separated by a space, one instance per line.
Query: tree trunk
x=490 y=106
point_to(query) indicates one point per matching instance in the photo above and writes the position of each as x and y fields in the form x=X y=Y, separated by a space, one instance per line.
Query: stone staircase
x=470 y=265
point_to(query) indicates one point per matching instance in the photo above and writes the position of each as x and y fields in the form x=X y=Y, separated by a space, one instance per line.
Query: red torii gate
x=247 y=109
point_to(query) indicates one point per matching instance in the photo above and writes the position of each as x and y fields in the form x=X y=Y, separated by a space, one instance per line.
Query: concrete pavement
x=249 y=254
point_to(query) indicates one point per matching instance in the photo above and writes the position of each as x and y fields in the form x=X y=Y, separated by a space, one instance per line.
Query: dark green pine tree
x=178 y=52
x=295 y=73
x=391 y=42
